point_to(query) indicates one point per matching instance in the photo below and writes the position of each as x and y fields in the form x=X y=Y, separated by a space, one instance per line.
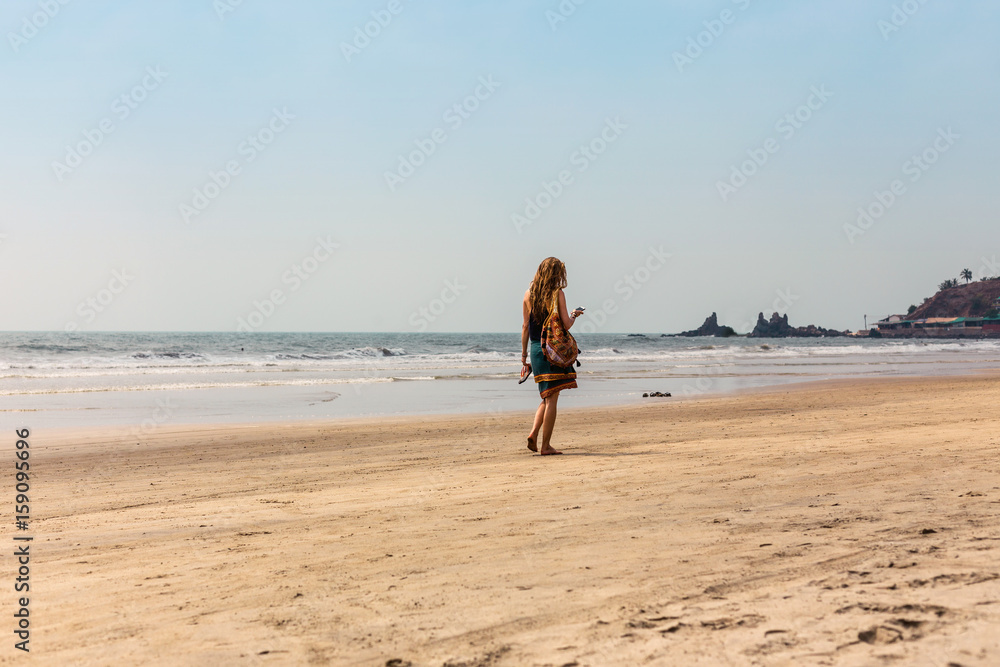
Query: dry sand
x=830 y=524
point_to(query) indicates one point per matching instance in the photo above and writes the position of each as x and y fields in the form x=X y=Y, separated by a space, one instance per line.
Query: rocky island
x=709 y=328
x=778 y=327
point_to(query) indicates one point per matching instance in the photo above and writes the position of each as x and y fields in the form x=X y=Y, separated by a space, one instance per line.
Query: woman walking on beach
x=545 y=290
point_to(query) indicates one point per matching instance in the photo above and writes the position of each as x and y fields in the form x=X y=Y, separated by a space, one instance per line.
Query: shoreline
x=150 y=381
x=564 y=407
x=843 y=523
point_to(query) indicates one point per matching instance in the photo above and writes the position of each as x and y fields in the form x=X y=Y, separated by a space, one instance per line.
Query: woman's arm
x=564 y=315
x=526 y=313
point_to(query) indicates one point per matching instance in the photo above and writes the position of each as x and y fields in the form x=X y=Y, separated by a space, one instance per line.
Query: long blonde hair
x=550 y=277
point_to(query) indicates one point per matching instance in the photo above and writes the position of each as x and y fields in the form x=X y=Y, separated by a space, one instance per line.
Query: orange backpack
x=558 y=344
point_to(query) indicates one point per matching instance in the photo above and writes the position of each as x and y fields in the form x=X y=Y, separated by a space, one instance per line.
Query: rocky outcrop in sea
x=778 y=327
x=710 y=328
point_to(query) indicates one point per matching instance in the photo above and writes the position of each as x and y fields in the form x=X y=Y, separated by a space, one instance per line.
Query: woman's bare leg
x=536 y=427
x=548 y=423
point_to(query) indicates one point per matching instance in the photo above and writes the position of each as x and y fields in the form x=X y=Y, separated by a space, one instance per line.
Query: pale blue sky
x=681 y=132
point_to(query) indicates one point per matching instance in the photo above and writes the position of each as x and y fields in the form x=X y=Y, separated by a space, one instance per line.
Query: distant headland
x=955 y=311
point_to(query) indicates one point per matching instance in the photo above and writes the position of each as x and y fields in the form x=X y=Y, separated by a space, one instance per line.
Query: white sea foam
x=182 y=386
x=104 y=378
x=47 y=363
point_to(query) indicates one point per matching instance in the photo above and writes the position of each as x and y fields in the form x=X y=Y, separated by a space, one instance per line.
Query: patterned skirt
x=550 y=379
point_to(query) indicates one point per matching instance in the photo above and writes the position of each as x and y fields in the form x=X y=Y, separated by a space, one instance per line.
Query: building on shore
x=940 y=327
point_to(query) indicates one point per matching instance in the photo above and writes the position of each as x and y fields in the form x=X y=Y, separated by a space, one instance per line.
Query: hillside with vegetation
x=953 y=299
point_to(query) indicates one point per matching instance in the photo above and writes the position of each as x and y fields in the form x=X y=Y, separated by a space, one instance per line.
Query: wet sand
x=840 y=523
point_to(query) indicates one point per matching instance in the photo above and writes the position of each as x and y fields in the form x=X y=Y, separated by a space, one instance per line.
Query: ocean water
x=149 y=379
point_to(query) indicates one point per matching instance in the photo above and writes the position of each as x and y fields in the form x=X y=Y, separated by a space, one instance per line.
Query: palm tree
x=967 y=275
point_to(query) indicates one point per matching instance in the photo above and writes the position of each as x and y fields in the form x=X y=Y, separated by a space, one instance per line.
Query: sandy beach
x=838 y=523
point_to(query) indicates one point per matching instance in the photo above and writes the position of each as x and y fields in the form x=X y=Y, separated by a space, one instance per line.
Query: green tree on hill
x=967 y=275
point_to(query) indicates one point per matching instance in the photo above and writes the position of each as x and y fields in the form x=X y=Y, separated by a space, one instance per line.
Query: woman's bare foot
x=548 y=451
x=533 y=443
